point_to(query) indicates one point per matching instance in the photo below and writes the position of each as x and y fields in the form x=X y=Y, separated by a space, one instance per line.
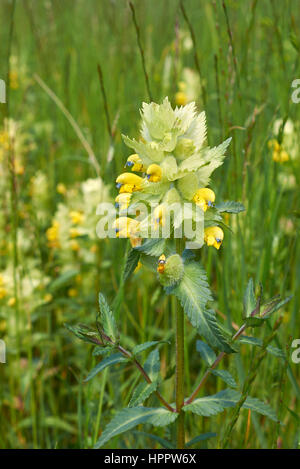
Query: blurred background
x=75 y=83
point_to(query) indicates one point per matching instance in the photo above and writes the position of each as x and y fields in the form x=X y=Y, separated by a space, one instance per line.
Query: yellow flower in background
x=74 y=233
x=213 y=236
x=11 y=302
x=278 y=153
x=48 y=297
x=61 y=188
x=13 y=80
x=76 y=217
x=3 y=293
x=74 y=245
x=180 y=98
x=204 y=198
x=94 y=248
x=72 y=292
x=52 y=235
x=4 y=140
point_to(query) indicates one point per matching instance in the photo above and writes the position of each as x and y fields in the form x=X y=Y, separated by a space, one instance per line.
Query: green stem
x=180 y=438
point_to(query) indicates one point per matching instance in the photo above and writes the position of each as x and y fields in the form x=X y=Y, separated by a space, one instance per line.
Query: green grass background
x=63 y=42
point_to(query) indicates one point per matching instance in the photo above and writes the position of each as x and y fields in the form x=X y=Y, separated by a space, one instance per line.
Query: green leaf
x=111 y=360
x=211 y=405
x=130 y=417
x=131 y=263
x=193 y=293
x=142 y=392
x=152 y=247
x=162 y=441
x=202 y=437
x=226 y=377
x=108 y=322
x=277 y=352
x=84 y=333
x=249 y=300
x=142 y=347
x=206 y=352
x=230 y=207
x=152 y=365
x=63 y=280
x=254 y=321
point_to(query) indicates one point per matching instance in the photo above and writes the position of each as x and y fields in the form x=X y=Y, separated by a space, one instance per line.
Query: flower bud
x=172 y=272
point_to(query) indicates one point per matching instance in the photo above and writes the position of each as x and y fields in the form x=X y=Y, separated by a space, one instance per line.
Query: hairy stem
x=179 y=391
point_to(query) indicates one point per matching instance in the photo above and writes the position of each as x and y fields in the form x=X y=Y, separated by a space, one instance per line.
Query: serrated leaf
x=130 y=417
x=142 y=347
x=193 y=293
x=202 y=437
x=83 y=333
x=142 y=392
x=275 y=306
x=249 y=300
x=152 y=247
x=152 y=365
x=230 y=207
x=108 y=322
x=131 y=263
x=211 y=405
x=111 y=360
x=206 y=352
x=226 y=377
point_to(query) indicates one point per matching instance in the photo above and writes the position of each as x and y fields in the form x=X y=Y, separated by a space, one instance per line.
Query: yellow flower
x=61 y=188
x=125 y=227
x=72 y=292
x=274 y=144
x=154 y=173
x=135 y=163
x=129 y=182
x=138 y=267
x=279 y=155
x=76 y=217
x=19 y=168
x=204 y=198
x=48 y=297
x=181 y=98
x=3 y=293
x=159 y=215
x=74 y=245
x=213 y=236
x=122 y=201
x=4 y=139
x=94 y=248
x=11 y=302
x=74 y=233
x=161 y=264
x=13 y=80
x=52 y=235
